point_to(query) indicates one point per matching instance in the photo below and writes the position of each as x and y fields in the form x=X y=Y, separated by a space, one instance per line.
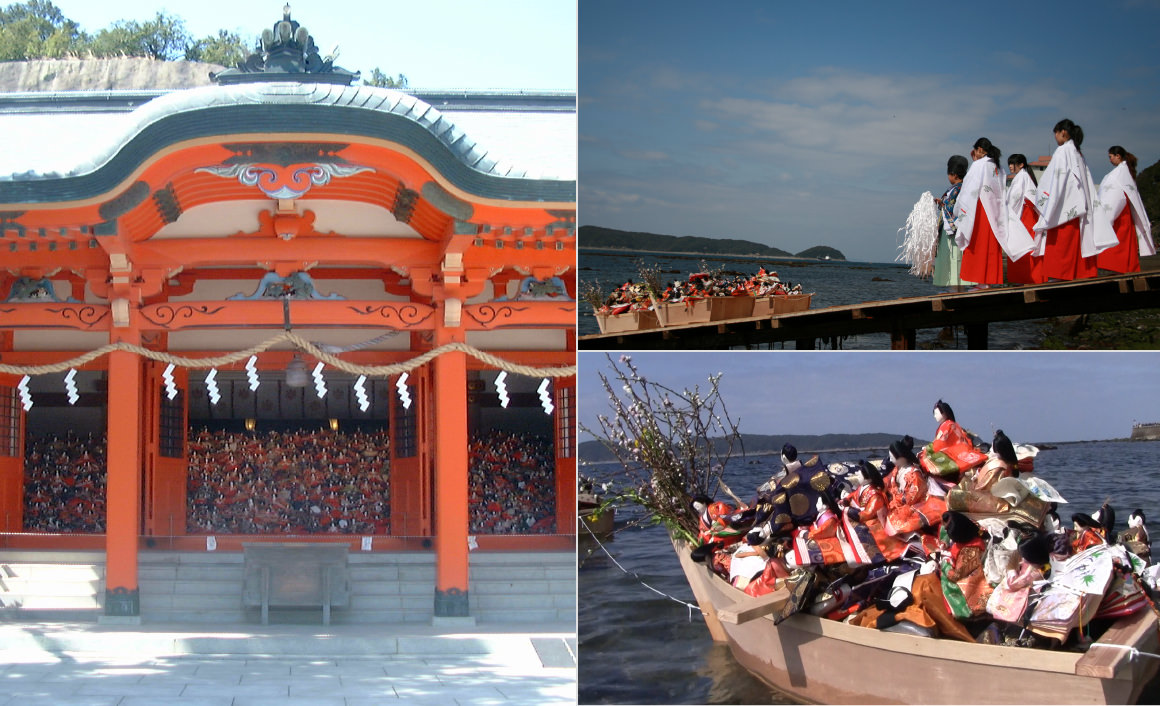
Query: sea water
x=833 y=283
x=643 y=647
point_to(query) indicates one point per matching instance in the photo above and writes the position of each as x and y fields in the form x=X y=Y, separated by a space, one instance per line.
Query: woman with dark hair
x=948 y=257
x=1021 y=217
x=982 y=220
x=1065 y=234
x=1120 y=214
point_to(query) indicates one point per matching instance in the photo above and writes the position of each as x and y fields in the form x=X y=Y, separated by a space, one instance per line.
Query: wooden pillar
x=902 y=339
x=11 y=456
x=565 y=455
x=122 y=596
x=977 y=337
x=451 y=486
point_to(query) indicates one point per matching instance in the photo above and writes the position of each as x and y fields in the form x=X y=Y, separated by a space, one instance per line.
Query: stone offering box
x=301 y=575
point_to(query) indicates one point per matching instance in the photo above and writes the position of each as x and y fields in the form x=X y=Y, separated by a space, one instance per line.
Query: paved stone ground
x=514 y=670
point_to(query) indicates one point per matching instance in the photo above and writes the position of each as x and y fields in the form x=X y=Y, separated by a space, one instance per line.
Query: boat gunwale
x=946 y=649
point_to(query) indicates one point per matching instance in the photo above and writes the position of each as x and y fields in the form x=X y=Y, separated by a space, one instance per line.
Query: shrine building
x=285 y=308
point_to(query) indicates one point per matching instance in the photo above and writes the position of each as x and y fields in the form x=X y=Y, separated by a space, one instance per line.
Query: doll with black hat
x=1009 y=601
x=952 y=451
x=911 y=506
x=867 y=505
x=973 y=492
x=1135 y=539
x=964 y=569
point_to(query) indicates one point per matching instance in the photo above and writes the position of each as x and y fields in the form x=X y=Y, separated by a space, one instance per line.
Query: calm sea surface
x=638 y=647
x=833 y=283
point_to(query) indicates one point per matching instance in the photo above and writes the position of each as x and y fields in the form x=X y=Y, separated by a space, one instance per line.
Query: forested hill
x=756 y=444
x=610 y=238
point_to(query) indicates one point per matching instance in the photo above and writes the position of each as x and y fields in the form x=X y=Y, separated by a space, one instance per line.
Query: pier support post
x=977 y=337
x=902 y=339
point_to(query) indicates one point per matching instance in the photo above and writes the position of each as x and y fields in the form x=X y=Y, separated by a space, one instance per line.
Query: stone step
x=206 y=587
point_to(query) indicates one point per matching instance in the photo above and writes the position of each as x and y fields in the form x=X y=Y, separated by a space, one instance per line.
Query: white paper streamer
x=252 y=373
x=921 y=237
x=319 y=383
x=546 y=397
x=211 y=387
x=170 y=385
x=404 y=393
x=70 y=386
x=501 y=388
x=360 y=393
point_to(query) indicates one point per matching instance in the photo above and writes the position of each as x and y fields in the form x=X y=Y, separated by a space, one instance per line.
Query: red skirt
x=1063 y=258
x=1124 y=257
x=982 y=258
x=1029 y=268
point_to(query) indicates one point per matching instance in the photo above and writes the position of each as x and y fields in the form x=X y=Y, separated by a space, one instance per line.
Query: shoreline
x=623 y=252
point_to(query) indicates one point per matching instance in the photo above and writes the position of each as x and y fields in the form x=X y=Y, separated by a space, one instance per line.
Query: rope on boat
x=1133 y=652
x=641 y=581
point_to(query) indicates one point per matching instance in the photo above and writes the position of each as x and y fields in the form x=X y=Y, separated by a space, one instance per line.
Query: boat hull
x=826 y=661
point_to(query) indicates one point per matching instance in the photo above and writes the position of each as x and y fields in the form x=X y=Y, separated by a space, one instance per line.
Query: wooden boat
x=602 y=524
x=825 y=661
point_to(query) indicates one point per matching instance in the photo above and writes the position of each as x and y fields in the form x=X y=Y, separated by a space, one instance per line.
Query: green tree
x=382 y=80
x=37 y=29
x=226 y=49
x=164 y=37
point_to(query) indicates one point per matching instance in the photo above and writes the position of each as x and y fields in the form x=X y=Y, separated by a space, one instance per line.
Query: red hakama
x=983 y=257
x=1062 y=258
x=1029 y=268
x=1125 y=257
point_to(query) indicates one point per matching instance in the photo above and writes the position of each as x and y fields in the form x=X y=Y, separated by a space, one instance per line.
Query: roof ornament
x=287 y=53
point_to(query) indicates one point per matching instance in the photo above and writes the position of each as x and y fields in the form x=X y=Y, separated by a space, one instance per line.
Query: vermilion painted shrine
x=285 y=214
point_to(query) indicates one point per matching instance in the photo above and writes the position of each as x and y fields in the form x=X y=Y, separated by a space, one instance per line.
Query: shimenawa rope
x=302 y=344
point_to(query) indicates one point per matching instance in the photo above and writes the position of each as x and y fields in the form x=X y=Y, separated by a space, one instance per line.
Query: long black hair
x=1127 y=157
x=1022 y=161
x=1075 y=132
x=991 y=150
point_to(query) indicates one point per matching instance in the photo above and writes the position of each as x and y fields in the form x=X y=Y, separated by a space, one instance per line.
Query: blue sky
x=1034 y=396
x=801 y=124
x=529 y=44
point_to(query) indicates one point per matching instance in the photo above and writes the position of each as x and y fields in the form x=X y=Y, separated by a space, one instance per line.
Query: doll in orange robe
x=911 y=507
x=867 y=505
x=951 y=452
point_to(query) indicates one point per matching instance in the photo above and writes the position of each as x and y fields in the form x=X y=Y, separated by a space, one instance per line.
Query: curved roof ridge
x=382 y=100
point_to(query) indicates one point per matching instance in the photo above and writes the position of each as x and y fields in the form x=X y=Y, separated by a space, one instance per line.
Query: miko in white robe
x=1065 y=234
x=1119 y=214
x=980 y=231
x=1021 y=218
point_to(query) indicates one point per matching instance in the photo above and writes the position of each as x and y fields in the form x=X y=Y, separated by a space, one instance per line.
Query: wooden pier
x=901 y=318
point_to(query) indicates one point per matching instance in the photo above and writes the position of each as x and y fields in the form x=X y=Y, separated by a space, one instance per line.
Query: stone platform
x=68 y=664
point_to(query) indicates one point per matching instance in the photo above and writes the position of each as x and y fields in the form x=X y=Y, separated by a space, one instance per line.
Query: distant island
x=872 y=445
x=612 y=239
